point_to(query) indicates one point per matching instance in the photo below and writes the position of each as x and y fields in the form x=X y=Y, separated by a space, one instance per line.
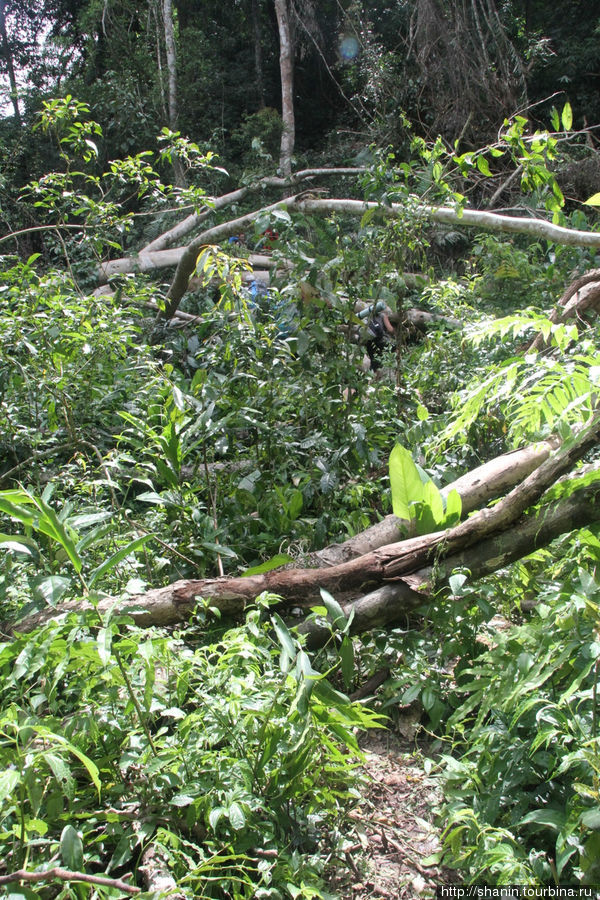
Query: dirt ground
x=394 y=821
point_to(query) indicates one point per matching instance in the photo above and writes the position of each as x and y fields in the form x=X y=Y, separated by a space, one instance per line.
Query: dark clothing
x=376 y=343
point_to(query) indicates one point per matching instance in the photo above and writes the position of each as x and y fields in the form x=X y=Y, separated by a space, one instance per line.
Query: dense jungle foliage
x=220 y=758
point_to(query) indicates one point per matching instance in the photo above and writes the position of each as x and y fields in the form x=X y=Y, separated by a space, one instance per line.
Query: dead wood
x=582 y=294
x=476 y=488
x=391 y=579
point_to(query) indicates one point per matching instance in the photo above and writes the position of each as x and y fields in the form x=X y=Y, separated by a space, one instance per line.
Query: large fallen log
x=470 y=218
x=374 y=604
x=476 y=488
x=484 y=541
x=582 y=295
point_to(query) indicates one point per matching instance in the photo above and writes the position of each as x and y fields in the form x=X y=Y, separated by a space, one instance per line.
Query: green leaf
x=116 y=558
x=552 y=818
x=591 y=819
x=91 y=767
x=456 y=583
x=236 y=816
x=19 y=544
x=71 y=849
x=405 y=481
x=433 y=500
x=62 y=774
x=554 y=118
x=215 y=816
x=453 y=508
x=9 y=779
x=567 y=117
x=104 y=644
x=51 y=588
x=281 y=559
x=594 y=200
x=483 y=166
x=283 y=635
x=335 y=611
x=347 y=658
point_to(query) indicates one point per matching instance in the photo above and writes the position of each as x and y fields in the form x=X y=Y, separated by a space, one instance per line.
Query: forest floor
x=395 y=823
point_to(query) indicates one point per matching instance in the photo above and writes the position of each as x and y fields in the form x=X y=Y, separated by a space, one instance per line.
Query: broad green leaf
x=221 y=549
x=433 y=499
x=104 y=644
x=19 y=544
x=591 y=819
x=281 y=559
x=453 y=507
x=283 y=635
x=9 y=779
x=347 y=658
x=334 y=610
x=71 y=849
x=405 y=482
x=51 y=588
x=215 y=816
x=48 y=523
x=483 y=166
x=91 y=767
x=236 y=816
x=62 y=774
x=567 y=117
x=456 y=582
x=181 y=800
x=594 y=200
x=304 y=666
x=555 y=119
x=116 y=558
x=552 y=818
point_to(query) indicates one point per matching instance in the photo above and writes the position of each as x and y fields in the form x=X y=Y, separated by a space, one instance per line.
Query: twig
x=66 y=875
x=370 y=686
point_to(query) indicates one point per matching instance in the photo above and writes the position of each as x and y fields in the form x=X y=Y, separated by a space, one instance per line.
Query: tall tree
x=7 y=56
x=286 y=66
x=171 y=56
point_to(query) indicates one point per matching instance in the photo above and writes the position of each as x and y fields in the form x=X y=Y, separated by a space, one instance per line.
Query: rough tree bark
x=582 y=294
x=10 y=67
x=385 y=583
x=286 y=68
x=535 y=228
x=171 y=55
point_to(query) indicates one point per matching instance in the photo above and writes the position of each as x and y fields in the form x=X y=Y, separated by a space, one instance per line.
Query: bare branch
x=60 y=874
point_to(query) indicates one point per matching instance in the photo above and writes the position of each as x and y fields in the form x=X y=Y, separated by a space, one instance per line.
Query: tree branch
x=60 y=874
x=406 y=564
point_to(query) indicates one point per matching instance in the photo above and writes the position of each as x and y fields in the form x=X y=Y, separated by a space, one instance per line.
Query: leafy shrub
x=234 y=756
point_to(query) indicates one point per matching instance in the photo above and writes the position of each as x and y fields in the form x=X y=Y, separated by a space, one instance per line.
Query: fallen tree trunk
x=486 y=540
x=582 y=295
x=536 y=228
x=213 y=204
x=158 y=259
x=354 y=584
x=476 y=488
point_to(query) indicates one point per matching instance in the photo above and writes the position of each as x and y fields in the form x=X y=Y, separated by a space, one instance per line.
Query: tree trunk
x=286 y=68
x=171 y=54
x=471 y=218
x=258 y=54
x=10 y=67
x=385 y=583
x=380 y=588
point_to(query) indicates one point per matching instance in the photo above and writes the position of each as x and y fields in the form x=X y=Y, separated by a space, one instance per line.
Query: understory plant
x=226 y=752
x=522 y=781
